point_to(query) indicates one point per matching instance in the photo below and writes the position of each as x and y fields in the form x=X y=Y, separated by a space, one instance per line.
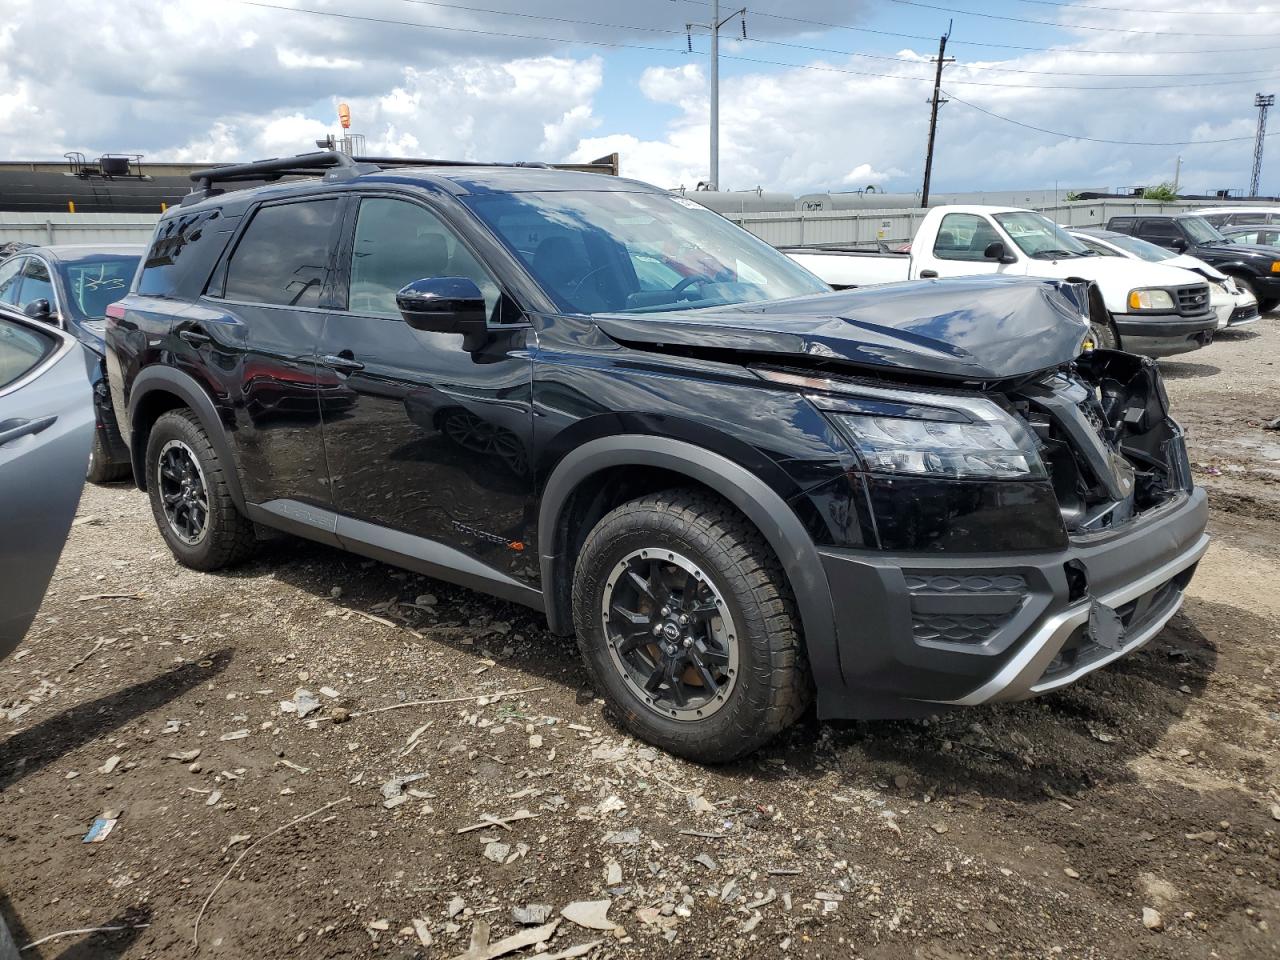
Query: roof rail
x=335 y=165
x=332 y=164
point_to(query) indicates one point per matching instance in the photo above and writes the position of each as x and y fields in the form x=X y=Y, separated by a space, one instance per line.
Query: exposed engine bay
x=1106 y=438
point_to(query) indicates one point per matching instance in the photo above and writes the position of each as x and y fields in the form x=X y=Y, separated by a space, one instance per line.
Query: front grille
x=959 y=608
x=1241 y=314
x=1193 y=300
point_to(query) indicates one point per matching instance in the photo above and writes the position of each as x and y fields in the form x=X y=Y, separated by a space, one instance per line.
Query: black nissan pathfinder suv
x=1258 y=267
x=580 y=393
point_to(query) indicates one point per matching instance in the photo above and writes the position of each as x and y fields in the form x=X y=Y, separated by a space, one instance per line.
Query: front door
x=434 y=449
x=959 y=249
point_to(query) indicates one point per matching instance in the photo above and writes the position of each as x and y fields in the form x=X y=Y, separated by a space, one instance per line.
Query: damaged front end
x=1111 y=449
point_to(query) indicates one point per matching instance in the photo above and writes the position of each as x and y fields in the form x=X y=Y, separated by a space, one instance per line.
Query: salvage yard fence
x=788 y=228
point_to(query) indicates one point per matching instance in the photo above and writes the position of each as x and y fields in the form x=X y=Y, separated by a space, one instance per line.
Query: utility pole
x=1264 y=102
x=934 y=102
x=1177 y=175
x=713 y=28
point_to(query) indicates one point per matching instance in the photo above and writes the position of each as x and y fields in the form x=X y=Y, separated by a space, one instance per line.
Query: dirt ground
x=1042 y=830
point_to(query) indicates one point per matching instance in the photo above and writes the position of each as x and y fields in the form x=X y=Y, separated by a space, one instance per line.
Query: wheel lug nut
x=688 y=641
x=657 y=629
x=684 y=618
x=666 y=611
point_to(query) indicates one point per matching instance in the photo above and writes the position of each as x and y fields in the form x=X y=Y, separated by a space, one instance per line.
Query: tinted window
x=36 y=283
x=284 y=254
x=172 y=250
x=1243 y=218
x=21 y=348
x=963 y=236
x=1162 y=232
x=10 y=275
x=1121 y=224
x=398 y=242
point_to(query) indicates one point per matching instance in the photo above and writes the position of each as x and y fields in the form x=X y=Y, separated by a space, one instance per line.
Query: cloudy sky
x=825 y=94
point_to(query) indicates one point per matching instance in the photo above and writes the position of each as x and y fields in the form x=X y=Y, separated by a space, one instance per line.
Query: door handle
x=928 y=274
x=342 y=361
x=195 y=337
x=25 y=428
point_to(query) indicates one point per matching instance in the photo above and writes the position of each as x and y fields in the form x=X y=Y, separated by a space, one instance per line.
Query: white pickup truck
x=1142 y=307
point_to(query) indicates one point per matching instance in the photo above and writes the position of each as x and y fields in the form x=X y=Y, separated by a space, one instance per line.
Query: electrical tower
x=1264 y=102
x=713 y=28
x=935 y=102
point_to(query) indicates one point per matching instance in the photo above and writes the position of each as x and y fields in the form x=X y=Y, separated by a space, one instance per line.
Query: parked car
x=1253 y=236
x=70 y=287
x=736 y=487
x=1234 y=303
x=1256 y=267
x=1233 y=216
x=1144 y=308
x=46 y=428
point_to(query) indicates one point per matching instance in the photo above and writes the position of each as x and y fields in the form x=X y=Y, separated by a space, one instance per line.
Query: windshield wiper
x=1053 y=254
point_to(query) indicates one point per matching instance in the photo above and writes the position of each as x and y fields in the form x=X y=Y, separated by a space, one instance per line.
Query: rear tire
x=1266 y=306
x=101 y=468
x=190 y=499
x=734 y=675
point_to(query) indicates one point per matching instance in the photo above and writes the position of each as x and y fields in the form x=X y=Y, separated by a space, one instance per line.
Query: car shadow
x=37 y=746
x=1238 y=333
x=1186 y=370
x=463 y=619
x=102 y=945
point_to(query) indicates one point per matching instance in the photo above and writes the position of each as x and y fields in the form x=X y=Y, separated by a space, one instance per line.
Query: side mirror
x=1179 y=244
x=443 y=305
x=39 y=310
x=995 y=251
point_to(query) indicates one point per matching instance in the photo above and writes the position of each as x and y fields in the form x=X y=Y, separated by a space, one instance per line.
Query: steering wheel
x=687 y=282
x=573 y=291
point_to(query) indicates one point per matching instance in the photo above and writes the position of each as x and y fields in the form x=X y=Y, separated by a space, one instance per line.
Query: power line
x=816 y=49
x=1165 y=13
x=615 y=44
x=997 y=46
x=1076 y=136
x=1073 y=26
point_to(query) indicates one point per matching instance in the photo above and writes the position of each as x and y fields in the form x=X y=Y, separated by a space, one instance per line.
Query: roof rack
x=335 y=165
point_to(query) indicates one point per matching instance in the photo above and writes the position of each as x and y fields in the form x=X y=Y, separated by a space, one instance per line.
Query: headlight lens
x=1150 y=299
x=933 y=448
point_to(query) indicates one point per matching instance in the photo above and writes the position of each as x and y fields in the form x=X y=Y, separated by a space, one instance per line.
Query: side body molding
x=188 y=389
x=761 y=505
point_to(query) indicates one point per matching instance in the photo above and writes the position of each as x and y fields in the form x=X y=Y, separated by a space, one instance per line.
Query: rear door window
x=1163 y=232
x=21 y=350
x=11 y=279
x=1121 y=224
x=283 y=257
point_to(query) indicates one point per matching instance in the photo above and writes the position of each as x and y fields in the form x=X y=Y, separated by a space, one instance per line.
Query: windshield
x=616 y=252
x=94 y=284
x=1141 y=248
x=1201 y=230
x=1040 y=237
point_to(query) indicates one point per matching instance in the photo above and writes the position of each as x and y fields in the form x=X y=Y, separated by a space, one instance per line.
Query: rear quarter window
x=183 y=248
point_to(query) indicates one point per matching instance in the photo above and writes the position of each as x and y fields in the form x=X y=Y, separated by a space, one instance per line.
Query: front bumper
x=918 y=631
x=1163 y=335
x=1244 y=314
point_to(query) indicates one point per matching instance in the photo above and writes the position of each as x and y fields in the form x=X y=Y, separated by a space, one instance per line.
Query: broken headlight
x=940 y=449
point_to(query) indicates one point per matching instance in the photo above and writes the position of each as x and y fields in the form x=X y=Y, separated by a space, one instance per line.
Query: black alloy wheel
x=670 y=635
x=183 y=492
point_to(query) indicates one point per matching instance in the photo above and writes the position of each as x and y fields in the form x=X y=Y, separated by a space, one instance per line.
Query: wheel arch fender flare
x=185 y=387
x=771 y=515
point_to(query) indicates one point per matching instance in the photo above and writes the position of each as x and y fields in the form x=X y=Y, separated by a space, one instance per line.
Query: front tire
x=190 y=499
x=101 y=468
x=1104 y=335
x=687 y=625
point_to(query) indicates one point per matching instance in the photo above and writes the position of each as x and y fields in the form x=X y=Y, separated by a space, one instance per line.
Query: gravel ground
x=1145 y=797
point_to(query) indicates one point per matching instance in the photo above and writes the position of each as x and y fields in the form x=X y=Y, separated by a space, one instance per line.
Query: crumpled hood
x=971 y=328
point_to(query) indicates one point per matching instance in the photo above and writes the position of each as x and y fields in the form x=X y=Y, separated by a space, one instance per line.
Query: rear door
x=255 y=334
x=46 y=428
x=1163 y=233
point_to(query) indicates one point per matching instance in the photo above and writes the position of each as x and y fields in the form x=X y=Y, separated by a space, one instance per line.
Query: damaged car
x=739 y=490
